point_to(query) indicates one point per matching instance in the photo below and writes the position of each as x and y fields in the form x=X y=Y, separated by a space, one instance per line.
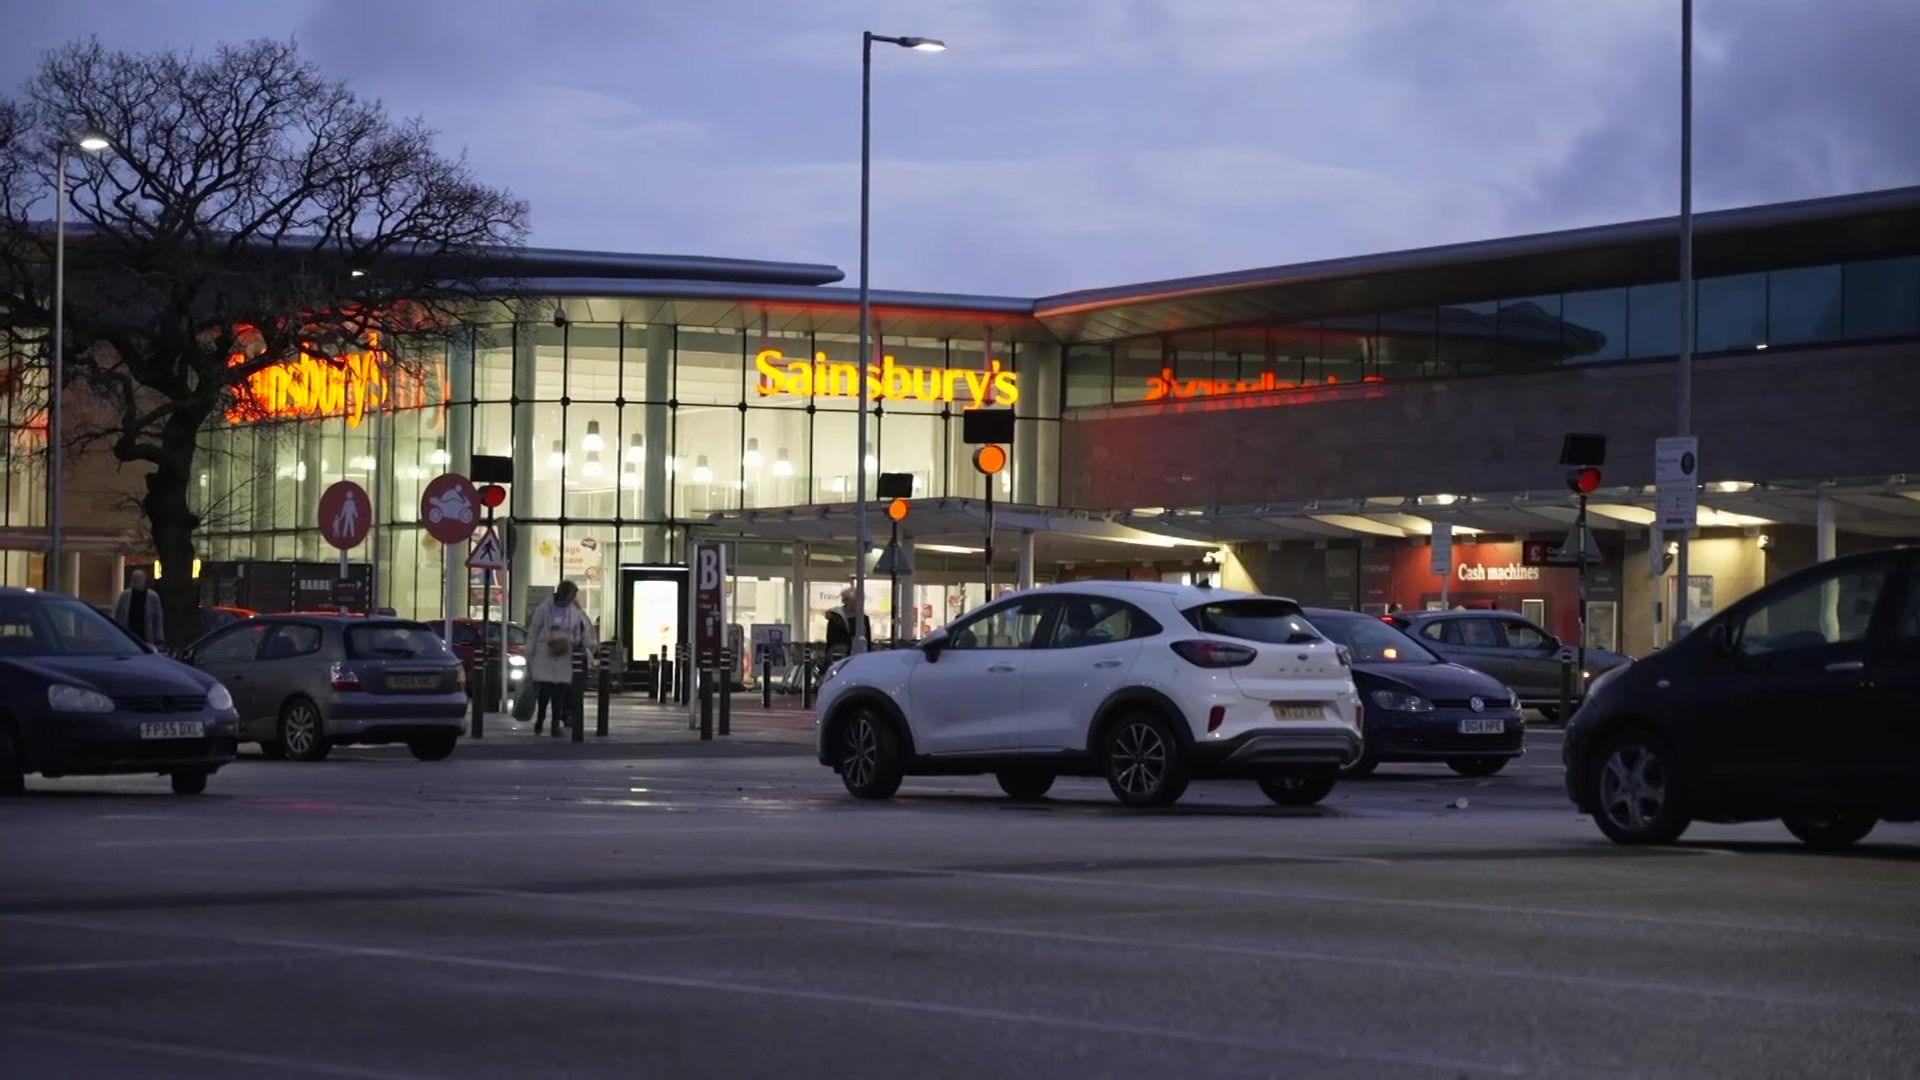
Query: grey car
x=1508 y=647
x=306 y=683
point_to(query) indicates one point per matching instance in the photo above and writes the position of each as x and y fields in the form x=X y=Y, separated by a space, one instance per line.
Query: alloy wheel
x=300 y=731
x=1139 y=759
x=1633 y=787
x=862 y=752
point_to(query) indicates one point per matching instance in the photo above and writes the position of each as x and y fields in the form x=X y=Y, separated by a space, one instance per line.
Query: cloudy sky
x=1064 y=144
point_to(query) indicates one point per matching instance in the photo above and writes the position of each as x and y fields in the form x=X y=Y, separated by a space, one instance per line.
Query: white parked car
x=1148 y=684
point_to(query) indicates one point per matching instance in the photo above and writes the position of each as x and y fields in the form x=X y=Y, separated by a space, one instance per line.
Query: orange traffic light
x=990 y=459
x=897 y=509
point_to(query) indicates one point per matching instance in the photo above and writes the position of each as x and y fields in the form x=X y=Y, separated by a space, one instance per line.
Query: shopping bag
x=523 y=705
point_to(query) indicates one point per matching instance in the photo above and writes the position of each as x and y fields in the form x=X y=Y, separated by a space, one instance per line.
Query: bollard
x=683 y=675
x=766 y=682
x=479 y=691
x=806 y=678
x=657 y=668
x=725 y=690
x=1566 y=689
x=577 y=696
x=706 y=700
x=606 y=692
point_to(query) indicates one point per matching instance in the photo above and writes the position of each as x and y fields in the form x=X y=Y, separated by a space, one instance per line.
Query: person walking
x=137 y=610
x=558 y=629
x=840 y=626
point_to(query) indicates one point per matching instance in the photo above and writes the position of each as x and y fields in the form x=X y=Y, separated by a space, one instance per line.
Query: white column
x=797 y=593
x=653 y=486
x=520 y=499
x=459 y=421
x=907 y=628
x=1823 y=529
x=1026 y=559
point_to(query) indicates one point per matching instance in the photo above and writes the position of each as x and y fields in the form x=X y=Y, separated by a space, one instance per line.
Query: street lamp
x=863 y=539
x=92 y=142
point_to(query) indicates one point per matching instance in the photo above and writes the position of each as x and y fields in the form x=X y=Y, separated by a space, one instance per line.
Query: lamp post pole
x=863 y=536
x=56 y=551
x=1682 y=616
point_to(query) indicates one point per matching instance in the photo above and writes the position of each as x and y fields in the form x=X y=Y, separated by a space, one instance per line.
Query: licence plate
x=413 y=682
x=1483 y=727
x=173 y=729
x=1290 y=711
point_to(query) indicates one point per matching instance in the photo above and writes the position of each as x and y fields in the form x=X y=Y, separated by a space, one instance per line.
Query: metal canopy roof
x=1060 y=534
x=1887 y=507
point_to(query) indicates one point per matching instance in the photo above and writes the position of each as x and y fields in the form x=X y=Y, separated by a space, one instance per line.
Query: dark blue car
x=79 y=696
x=1418 y=706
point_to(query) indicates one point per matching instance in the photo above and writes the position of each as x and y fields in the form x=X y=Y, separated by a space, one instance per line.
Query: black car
x=79 y=696
x=1507 y=646
x=1418 y=706
x=1800 y=702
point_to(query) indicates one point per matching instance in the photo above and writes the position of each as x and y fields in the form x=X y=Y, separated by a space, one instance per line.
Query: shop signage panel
x=1676 y=475
x=709 y=600
x=1441 y=557
x=820 y=377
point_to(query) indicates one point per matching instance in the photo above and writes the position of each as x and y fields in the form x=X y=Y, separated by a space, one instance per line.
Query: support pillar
x=909 y=628
x=520 y=498
x=1036 y=444
x=659 y=443
x=1026 y=559
x=459 y=442
x=1823 y=529
x=797 y=593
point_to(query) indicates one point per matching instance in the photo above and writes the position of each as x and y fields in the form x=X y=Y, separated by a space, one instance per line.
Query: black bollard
x=766 y=682
x=725 y=690
x=706 y=700
x=606 y=691
x=658 y=669
x=1566 y=689
x=479 y=689
x=806 y=677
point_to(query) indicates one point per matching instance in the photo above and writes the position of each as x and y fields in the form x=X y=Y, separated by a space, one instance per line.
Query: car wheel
x=301 y=735
x=872 y=761
x=432 y=747
x=1026 y=783
x=1636 y=783
x=1477 y=766
x=1141 y=759
x=1362 y=766
x=13 y=766
x=1831 y=831
x=189 y=781
x=1301 y=787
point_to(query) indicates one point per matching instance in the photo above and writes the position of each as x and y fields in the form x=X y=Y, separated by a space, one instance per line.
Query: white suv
x=1149 y=685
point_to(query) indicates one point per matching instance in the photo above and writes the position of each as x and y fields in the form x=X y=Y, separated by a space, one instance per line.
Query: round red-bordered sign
x=345 y=514
x=450 y=508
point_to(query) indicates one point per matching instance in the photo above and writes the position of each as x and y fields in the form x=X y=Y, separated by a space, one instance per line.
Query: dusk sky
x=1062 y=144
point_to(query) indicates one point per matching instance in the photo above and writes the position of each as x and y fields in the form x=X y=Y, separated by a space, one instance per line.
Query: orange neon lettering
x=888 y=379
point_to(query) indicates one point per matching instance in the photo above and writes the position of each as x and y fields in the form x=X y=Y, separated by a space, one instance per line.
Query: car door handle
x=1841 y=666
x=1000 y=669
x=1106 y=663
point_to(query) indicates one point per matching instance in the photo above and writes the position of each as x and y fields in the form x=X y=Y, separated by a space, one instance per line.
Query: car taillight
x=343 y=677
x=460 y=680
x=1215 y=717
x=1214 y=654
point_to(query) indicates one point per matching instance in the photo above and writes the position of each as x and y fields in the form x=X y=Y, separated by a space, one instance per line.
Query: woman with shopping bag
x=558 y=629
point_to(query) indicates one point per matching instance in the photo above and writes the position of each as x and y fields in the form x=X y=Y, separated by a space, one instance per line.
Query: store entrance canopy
x=958 y=527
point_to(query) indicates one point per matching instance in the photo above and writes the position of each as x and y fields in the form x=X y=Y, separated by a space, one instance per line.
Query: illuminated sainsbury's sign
x=820 y=377
x=312 y=387
x=1165 y=387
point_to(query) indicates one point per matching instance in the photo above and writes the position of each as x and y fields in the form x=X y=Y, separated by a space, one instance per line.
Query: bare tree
x=249 y=210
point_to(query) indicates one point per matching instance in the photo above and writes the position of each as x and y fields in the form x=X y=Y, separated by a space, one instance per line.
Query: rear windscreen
x=1277 y=621
x=395 y=641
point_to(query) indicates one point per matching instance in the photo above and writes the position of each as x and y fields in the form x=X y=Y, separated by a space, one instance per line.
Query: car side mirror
x=931 y=646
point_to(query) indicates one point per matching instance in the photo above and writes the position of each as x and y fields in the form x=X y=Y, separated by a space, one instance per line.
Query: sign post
x=345 y=516
x=709 y=623
x=1440 y=556
x=448 y=508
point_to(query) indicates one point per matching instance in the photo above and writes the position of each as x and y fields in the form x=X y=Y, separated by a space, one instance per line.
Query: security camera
x=559 y=316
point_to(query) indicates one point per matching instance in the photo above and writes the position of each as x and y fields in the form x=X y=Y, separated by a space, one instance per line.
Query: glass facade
x=1857 y=301
x=620 y=435
x=23 y=454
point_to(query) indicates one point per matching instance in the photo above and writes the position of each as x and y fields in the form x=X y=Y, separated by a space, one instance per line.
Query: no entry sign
x=449 y=507
x=345 y=514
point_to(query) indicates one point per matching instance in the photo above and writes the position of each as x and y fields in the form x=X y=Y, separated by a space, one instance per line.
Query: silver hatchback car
x=305 y=683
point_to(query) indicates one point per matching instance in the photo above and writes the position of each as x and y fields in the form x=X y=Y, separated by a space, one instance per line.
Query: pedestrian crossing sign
x=487 y=552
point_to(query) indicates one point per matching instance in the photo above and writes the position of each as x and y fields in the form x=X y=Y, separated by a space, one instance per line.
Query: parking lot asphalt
x=642 y=909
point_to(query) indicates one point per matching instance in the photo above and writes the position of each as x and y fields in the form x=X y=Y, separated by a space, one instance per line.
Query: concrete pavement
x=530 y=909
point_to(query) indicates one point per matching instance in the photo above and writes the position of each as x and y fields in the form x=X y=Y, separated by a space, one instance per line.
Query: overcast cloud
x=1063 y=144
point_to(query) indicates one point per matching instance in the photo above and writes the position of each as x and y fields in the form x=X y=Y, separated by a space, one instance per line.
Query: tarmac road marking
x=234 y=1057
x=333 y=838
x=825 y=997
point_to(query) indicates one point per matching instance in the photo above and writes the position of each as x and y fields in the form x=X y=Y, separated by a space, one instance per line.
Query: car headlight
x=1395 y=701
x=1513 y=699
x=516 y=661
x=77 y=699
x=218 y=699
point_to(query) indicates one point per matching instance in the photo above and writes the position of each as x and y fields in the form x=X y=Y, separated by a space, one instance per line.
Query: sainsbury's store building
x=1296 y=429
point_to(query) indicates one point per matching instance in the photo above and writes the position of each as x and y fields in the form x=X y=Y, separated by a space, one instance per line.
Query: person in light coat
x=558 y=630
x=137 y=610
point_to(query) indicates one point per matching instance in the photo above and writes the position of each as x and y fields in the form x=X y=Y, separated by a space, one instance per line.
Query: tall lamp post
x=92 y=142
x=863 y=538
x=1682 y=615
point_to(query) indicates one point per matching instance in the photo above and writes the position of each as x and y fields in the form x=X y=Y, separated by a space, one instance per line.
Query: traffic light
x=897 y=510
x=1583 y=481
x=990 y=459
